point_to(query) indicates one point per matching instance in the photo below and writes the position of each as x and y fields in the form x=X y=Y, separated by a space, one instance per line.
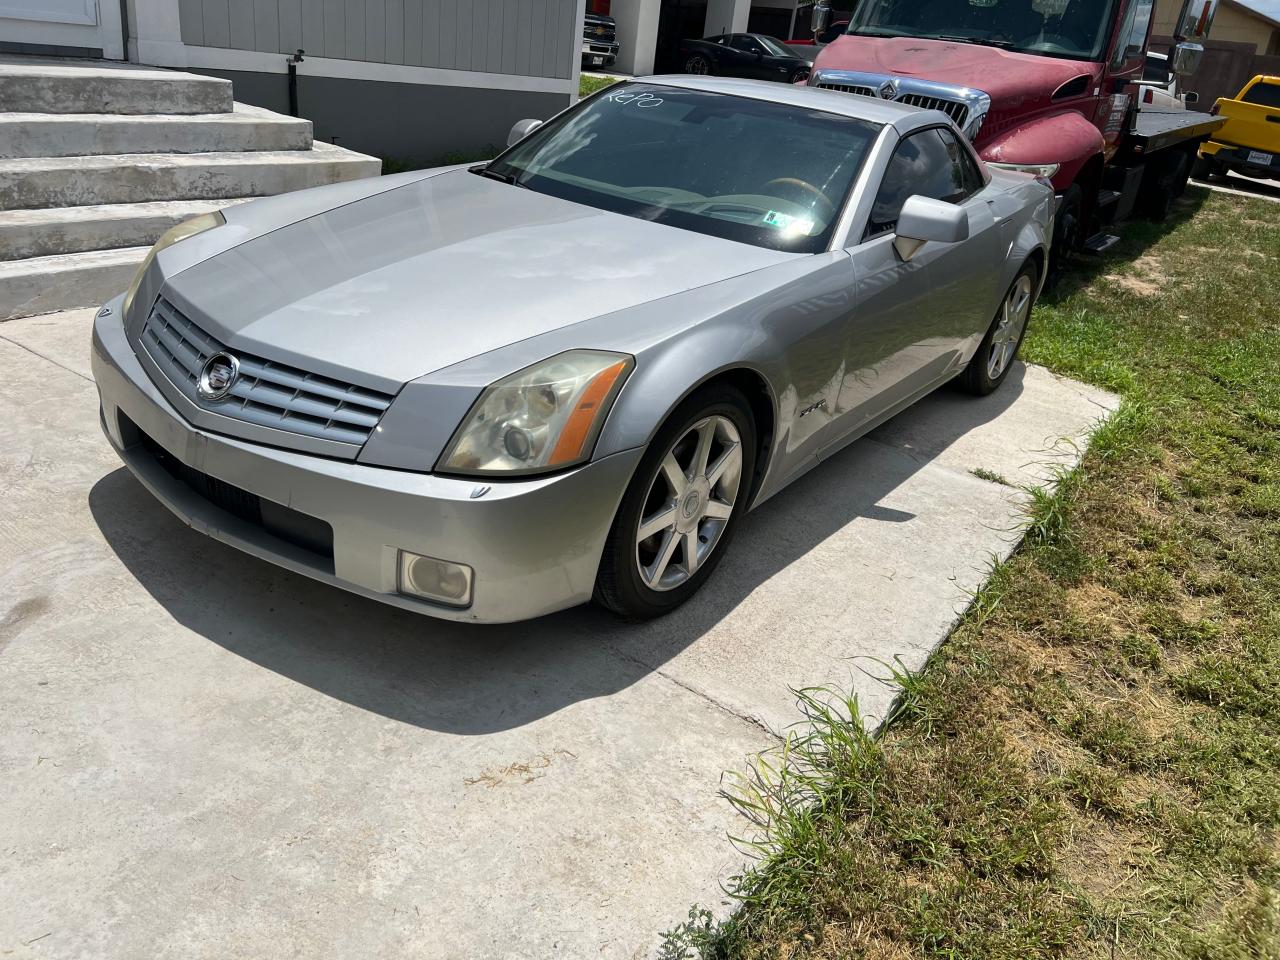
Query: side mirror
x=521 y=130
x=1190 y=98
x=1185 y=58
x=923 y=219
x=759 y=54
x=821 y=14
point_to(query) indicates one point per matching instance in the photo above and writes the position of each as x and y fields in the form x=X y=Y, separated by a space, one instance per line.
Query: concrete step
x=46 y=284
x=34 y=183
x=98 y=134
x=57 y=230
x=49 y=85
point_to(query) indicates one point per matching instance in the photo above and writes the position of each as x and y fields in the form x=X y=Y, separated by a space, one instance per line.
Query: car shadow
x=470 y=679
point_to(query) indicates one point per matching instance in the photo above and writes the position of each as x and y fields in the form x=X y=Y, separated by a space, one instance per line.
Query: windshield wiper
x=1003 y=44
x=508 y=178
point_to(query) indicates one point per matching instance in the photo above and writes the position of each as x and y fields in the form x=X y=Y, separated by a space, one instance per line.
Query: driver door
x=748 y=57
x=914 y=319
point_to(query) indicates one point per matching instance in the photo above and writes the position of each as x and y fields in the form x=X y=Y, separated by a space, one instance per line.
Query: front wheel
x=799 y=76
x=681 y=507
x=1066 y=231
x=994 y=357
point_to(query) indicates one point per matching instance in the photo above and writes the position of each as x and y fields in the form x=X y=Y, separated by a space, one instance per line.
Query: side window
x=921 y=164
x=721 y=40
x=1267 y=94
x=967 y=172
x=746 y=44
x=1133 y=33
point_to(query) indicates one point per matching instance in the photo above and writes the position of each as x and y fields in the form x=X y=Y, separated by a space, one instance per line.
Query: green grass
x=1090 y=765
x=589 y=85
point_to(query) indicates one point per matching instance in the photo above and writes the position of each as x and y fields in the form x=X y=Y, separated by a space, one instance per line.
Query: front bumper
x=599 y=51
x=534 y=544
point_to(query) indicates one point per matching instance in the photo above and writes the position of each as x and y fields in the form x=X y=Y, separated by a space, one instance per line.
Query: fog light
x=437 y=580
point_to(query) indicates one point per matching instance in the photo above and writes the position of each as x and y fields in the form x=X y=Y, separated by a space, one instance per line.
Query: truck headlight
x=188 y=228
x=544 y=417
x=1042 y=170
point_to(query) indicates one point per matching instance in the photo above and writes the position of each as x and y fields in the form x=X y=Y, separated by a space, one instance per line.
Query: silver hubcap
x=1012 y=321
x=689 y=503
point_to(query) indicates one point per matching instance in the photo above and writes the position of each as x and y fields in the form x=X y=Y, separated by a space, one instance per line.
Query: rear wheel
x=681 y=508
x=1205 y=167
x=1164 y=181
x=994 y=357
x=697 y=64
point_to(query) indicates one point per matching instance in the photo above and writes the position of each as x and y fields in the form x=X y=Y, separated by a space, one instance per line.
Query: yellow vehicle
x=1249 y=142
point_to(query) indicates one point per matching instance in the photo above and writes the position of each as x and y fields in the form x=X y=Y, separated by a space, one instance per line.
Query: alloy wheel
x=1014 y=313
x=689 y=503
x=696 y=65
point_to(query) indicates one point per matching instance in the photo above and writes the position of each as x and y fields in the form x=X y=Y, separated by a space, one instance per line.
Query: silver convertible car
x=490 y=392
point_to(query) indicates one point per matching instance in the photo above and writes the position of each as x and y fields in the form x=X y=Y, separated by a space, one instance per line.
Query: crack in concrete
x=37 y=353
x=700 y=694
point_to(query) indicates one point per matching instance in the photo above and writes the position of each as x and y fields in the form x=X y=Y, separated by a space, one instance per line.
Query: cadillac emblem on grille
x=218 y=376
x=888 y=90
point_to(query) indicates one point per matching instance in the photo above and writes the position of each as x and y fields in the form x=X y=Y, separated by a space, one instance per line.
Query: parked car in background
x=826 y=36
x=752 y=56
x=1249 y=142
x=599 y=40
x=569 y=372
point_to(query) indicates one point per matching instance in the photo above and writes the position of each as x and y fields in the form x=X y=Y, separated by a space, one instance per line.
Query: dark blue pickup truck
x=599 y=40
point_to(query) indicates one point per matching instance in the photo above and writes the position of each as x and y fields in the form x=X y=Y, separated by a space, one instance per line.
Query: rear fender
x=1065 y=138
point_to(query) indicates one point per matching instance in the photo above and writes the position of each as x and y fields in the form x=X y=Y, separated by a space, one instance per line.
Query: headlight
x=545 y=417
x=188 y=228
x=1045 y=170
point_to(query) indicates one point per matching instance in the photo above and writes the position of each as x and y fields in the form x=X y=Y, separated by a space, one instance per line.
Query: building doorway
x=82 y=28
x=677 y=20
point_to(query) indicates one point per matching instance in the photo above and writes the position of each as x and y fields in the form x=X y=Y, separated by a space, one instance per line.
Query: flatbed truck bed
x=1155 y=129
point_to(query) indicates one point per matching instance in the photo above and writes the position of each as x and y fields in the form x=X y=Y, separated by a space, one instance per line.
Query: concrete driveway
x=204 y=756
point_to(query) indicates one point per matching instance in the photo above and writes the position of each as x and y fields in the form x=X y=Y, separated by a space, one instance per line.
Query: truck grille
x=956 y=111
x=602 y=31
x=266 y=393
x=964 y=105
x=853 y=88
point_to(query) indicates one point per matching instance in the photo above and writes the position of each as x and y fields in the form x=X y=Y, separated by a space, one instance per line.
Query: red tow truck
x=1043 y=86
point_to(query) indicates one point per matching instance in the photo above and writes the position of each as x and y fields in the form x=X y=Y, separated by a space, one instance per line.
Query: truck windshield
x=1076 y=29
x=770 y=174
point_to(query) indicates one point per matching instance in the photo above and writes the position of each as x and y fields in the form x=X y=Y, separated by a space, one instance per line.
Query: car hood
x=392 y=286
x=1014 y=81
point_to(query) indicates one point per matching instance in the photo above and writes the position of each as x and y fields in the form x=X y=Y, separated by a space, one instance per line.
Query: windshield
x=757 y=172
x=1076 y=29
x=773 y=47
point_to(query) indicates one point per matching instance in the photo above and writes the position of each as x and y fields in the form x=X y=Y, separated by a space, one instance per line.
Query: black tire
x=1164 y=181
x=976 y=377
x=1204 y=167
x=698 y=64
x=799 y=76
x=1066 y=231
x=619 y=585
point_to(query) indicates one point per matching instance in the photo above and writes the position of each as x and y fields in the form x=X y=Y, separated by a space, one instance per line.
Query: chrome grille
x=847 y=88
x=956 y=111
x=266 y=393
x=966 y=106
